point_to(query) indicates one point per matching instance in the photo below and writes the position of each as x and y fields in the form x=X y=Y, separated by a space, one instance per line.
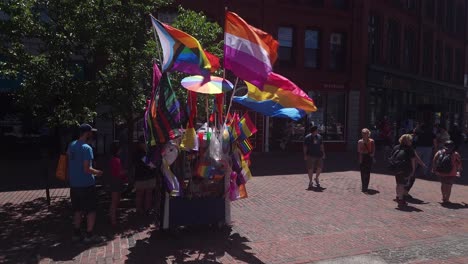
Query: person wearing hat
x=81 y=176
x=447 y=173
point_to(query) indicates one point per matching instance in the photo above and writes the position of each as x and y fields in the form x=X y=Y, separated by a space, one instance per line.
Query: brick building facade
x=361 y=60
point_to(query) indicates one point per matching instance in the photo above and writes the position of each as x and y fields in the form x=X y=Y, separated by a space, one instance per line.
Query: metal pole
x=267 y=134
x=47 y=187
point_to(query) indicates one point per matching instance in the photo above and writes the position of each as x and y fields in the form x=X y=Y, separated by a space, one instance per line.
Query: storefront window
x=330 y=116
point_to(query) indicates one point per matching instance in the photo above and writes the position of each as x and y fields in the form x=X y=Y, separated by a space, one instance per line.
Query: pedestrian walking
x=82 y=183
x=117 y=181
x=403 y=162
x=145 y=179
x=314 y=153
x=448 y=166
x=420 y=164
x=366 y=151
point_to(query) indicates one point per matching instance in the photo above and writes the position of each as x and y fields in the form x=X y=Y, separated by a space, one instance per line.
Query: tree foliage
x=72 y=56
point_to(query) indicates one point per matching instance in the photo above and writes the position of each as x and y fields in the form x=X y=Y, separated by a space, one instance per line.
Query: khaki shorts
x=313 y=163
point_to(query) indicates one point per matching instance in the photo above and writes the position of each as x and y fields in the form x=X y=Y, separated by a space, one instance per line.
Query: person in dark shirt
x=314 y=153
x=145 y=178
x=406 y=167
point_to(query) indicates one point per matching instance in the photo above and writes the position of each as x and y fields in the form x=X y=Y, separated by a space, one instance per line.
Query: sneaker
x=402 y=203
x=311 y=185
x=90 y=238
x=317 y=183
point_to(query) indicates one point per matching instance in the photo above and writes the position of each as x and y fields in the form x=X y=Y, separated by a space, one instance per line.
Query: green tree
x=209 y=34
x=75 y=55
x=47 y=44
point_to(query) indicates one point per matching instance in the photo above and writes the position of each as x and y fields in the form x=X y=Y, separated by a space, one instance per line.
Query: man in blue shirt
x=82 y=183
x=314 y=153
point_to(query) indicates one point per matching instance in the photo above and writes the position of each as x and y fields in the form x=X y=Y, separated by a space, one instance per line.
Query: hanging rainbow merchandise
x=213 y=158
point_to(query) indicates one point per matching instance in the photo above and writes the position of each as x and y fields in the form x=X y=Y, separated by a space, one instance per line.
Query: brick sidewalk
x=280 y=222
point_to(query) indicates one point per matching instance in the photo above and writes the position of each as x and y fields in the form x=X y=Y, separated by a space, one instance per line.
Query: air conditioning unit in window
x=335 y=39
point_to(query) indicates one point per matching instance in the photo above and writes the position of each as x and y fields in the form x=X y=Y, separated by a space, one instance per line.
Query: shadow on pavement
x=372 y=192
x=409 y=208
x=209 y=244
x=32 y=231
x=413 y=200
x=455 y=206
x=285 y=163
x=316 y=189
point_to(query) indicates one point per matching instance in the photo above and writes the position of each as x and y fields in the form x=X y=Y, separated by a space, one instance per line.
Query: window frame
x=292 y=60
x=375 y=35
x=340 y=67
x=317 y=50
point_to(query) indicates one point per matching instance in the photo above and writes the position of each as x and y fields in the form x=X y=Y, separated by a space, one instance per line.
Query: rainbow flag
x=204 y=170
x=166 y=117
x=248 y=52
x=279 y=98
x=181 y=52
x=245 y=146
x=247 y=127
x=233 y=127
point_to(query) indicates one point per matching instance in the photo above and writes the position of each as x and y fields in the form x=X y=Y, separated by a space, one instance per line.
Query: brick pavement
x=280 y=222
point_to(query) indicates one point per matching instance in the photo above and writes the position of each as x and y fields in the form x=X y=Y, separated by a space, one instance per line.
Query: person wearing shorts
x=406 y=168
x=82 y=183
x=314 y=153
x=447 y=179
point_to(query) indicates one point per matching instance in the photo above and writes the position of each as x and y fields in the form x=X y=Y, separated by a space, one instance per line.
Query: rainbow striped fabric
x=279 y=98
x=181 y=52
x=245 y=146
x=247 y=127
x=165 y=116
x=248 y=52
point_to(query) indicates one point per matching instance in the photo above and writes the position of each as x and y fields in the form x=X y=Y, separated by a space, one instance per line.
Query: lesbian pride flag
x=181 y=52
x=279 y=98
x=248 y=52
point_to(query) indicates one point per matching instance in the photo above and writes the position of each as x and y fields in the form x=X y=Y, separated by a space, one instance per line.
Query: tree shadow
x=33 y=230
x=197 y=244
x=454 y=206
